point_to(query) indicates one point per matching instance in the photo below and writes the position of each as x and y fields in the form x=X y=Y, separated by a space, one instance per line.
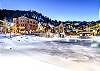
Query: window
x=33 y=22
x=27 y=21
x=21 y=21
x=30 y=25
x=30 y=21
x=33 y=25
x=20 y=24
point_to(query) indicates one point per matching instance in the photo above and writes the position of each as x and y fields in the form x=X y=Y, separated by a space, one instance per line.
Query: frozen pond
x=71 y=53
x=73 y=49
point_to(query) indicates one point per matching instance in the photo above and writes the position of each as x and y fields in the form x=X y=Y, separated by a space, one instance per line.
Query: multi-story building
x=90 y=29
x=24 y=25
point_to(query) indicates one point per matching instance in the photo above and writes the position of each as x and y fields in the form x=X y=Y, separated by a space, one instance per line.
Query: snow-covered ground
x=25 y=63
x=33 y=53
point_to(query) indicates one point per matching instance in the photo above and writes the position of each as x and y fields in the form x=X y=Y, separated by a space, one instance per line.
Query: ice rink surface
x=28 y=53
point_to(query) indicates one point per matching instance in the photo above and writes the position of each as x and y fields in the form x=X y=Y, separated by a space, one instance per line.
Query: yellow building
x=3 y=27
x=93 y=29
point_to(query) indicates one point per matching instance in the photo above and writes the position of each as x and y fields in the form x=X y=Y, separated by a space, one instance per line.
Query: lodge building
x=24 y=25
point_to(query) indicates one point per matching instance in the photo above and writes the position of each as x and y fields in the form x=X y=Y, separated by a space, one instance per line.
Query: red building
x=24 y=25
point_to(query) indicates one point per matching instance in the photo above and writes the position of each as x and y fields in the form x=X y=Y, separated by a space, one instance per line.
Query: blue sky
x=99 y=13
x=63 y=10
x=99 y=9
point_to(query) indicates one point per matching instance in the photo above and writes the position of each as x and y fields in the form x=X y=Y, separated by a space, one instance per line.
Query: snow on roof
x=51 y=25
